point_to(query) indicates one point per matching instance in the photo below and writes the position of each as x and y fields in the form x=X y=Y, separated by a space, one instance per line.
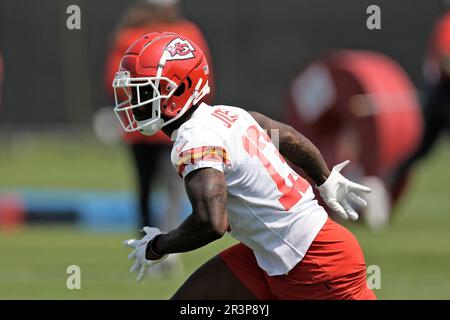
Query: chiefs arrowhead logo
x=179 y=49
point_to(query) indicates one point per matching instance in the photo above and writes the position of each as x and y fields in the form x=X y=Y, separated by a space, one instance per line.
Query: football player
x=234 y=167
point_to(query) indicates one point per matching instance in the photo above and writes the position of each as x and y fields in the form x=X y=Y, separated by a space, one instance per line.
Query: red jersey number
x=254 y=142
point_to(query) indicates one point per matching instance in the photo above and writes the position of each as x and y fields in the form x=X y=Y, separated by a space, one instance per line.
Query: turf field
x=413 y=254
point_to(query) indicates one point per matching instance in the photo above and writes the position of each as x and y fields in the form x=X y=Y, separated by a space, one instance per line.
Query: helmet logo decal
x=180 y=50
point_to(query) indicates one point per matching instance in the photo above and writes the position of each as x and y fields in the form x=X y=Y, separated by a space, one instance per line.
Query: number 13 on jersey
x=254 y=142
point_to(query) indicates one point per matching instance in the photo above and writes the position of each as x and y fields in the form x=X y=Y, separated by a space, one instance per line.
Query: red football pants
x=333 y=268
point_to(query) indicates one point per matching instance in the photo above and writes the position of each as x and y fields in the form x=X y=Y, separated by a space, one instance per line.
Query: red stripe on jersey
x=207 y=153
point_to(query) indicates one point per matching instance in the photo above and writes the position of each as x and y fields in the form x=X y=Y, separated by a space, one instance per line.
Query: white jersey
x=271 y=209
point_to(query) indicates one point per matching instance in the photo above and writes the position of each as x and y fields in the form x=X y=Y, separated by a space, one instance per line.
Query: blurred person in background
x=147 y=152
x=436 y=107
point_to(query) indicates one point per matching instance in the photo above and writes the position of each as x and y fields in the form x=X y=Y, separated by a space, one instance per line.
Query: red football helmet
x=161 y=76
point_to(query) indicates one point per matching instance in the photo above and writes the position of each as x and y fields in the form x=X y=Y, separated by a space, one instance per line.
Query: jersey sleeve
x=200 y=149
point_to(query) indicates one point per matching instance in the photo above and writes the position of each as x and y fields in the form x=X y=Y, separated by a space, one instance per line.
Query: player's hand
x=141 y=264
x=337 y=191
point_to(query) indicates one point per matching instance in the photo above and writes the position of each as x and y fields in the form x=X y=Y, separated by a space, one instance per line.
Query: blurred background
x=71 y=186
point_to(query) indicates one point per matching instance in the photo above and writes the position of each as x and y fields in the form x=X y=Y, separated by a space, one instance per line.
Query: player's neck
x=170 y=128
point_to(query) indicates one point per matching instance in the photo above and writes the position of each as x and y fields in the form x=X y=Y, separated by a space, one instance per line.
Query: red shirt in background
x=126 y=37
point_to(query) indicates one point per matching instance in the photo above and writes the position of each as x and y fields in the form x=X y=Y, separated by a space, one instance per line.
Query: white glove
x=337 y=190
x=140 y=247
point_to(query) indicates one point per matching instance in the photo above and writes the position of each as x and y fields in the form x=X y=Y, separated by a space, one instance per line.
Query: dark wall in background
x=54 y=76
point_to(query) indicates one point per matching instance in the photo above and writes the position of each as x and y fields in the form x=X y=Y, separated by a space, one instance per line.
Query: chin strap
x=205 y=90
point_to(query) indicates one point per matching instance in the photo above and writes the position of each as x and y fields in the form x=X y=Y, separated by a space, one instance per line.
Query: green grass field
x=413 y=253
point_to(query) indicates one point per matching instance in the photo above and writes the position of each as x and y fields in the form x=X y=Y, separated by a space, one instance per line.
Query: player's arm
x=207 y=191
x=296 y=148
x=335 y=189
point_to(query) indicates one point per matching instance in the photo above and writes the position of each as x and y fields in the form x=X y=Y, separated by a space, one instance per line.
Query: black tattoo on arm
x=296 y=148
x=207 y=192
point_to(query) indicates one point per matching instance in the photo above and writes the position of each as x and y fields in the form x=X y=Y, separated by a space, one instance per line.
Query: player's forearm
x=207 y=192
x=296 y=148
x=303 y=153
x=192 y=234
